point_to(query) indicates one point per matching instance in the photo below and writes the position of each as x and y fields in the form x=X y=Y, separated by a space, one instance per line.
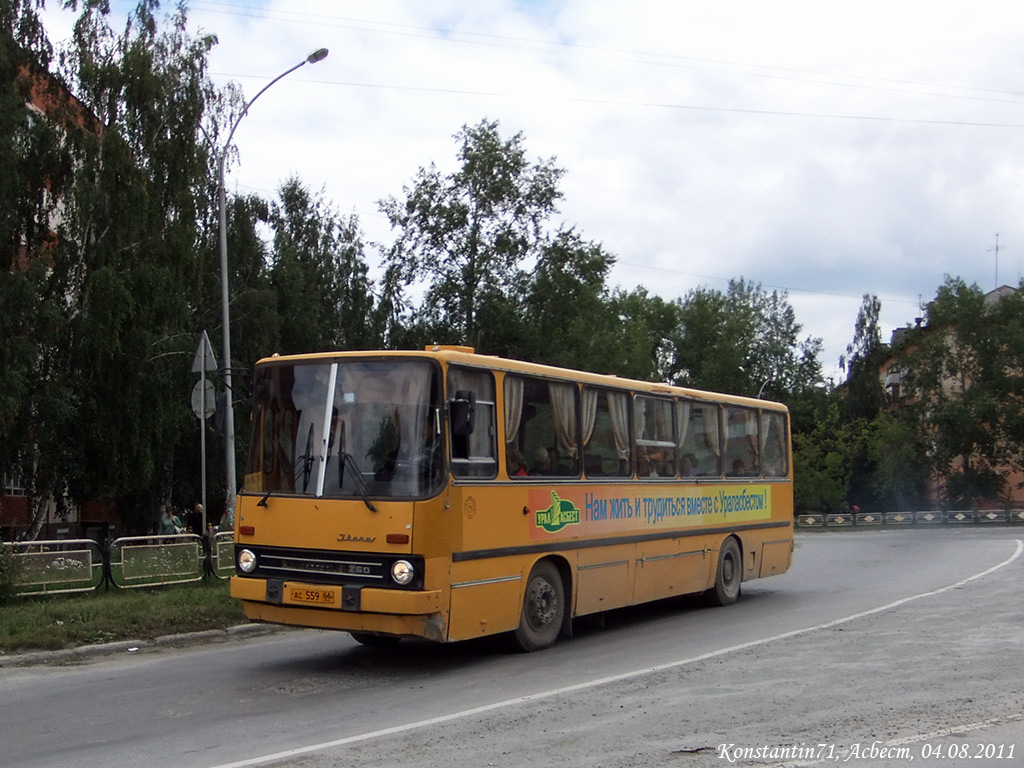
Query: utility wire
x=448 y=36
x=639 y=104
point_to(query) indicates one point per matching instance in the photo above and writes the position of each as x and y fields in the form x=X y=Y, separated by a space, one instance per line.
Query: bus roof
x=469 y=357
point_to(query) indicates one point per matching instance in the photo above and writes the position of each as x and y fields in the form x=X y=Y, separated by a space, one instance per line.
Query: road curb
x=66 y=655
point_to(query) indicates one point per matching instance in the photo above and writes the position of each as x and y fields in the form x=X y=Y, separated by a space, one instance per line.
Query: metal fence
x=924 y=518
x=83 y=565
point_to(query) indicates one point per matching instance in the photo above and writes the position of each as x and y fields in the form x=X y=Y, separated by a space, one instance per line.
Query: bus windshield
x=347 y=429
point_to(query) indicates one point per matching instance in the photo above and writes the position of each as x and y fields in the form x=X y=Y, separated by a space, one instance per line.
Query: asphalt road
x=885 y=647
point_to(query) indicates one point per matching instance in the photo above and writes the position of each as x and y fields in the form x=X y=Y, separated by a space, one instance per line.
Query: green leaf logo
x=561 y=513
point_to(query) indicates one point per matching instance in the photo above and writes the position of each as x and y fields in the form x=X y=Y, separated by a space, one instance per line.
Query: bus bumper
x=389 y=611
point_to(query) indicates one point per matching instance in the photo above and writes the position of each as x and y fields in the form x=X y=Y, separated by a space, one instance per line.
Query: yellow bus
x=449 y=495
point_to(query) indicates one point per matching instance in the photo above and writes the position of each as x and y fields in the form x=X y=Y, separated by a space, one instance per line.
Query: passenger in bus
x=541 y=461
x=739 y=469
x=644 y=466
x=555 y=464
x=688 y=465
x=659 y=465
x=516 y=462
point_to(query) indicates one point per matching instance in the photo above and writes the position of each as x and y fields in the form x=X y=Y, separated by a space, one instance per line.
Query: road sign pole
x=202 y=443
x=204 y=361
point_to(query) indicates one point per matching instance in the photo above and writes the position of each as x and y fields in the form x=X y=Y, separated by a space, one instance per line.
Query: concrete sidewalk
x=81 y=653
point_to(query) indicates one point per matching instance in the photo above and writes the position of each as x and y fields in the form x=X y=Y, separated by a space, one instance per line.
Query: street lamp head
x=318 y=55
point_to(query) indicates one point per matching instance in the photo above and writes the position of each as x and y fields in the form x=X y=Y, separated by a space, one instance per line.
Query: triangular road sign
x=204 y=360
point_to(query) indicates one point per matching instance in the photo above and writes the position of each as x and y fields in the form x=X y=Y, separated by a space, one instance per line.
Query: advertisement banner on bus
x=583 y=512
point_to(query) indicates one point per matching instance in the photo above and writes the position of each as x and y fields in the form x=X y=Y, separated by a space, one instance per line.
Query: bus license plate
x=314 y=596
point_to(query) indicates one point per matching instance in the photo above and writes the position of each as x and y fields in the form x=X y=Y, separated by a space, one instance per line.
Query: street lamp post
x=229 y=414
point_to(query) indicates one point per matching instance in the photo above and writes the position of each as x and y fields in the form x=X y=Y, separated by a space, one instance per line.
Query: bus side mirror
x=463 y=412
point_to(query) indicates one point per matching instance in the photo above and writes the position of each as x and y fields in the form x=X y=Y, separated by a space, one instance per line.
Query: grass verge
x=69 y=621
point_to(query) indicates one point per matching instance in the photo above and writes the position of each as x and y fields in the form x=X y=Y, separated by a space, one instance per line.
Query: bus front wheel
x=728 y=576
x=543 y=608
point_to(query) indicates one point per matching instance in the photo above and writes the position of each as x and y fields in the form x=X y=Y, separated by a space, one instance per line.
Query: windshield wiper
x=307 y=460
x=357 y=477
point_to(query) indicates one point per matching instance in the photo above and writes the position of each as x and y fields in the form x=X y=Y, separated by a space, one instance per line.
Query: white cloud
x=702 y=140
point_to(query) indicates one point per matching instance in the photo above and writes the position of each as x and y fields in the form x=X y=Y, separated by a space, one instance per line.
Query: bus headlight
x=246 y=561
x=402 y=572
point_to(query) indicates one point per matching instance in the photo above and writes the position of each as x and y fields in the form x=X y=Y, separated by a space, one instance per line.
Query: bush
x=7 y=580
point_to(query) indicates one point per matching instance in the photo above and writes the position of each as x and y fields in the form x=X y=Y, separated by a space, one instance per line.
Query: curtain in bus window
x=593 y=446
x=687 y=462
x=618 y=410
x=589 y=411
x=711 y=436
x=773 y=444
x=513 y=407
x=639 y=416
x=563 y=407
x=515 y=462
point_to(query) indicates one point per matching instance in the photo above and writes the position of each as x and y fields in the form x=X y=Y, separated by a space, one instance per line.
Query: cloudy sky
x=827 y=149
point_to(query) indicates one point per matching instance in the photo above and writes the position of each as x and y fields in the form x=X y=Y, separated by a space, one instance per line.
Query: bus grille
x=327 y=567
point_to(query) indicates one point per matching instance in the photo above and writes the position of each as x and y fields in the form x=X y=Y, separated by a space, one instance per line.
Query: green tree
x=566 y=311
x=821 y=464
x=861 y=404
x=745 y=341
x=35 y=169
x=468 y=233
x=121 y=174
x=318 y=274
x=864 y=357
x=964 y=370
x=897 y=453
x=640 y=325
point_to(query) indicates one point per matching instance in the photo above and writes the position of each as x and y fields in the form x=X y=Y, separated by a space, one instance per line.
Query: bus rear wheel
x=728 y=576
x=540 y=620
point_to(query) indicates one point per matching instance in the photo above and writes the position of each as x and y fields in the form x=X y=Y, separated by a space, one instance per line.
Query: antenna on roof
x=996 y=249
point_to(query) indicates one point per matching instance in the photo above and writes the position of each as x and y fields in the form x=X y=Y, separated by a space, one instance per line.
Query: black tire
x=374 y=641
x=543 y=612
x=728 y=576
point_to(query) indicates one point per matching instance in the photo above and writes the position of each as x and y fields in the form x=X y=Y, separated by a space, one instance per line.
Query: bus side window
x=471 y=423
x=774 y=444
x=700 y=451
x=541 y=427
x=742 y=451
x=605 y=432
x=655 y=439
x=463 y=408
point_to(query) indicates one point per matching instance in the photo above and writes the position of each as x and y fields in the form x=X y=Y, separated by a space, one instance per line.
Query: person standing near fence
x=168 y=524
x=195 y=520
